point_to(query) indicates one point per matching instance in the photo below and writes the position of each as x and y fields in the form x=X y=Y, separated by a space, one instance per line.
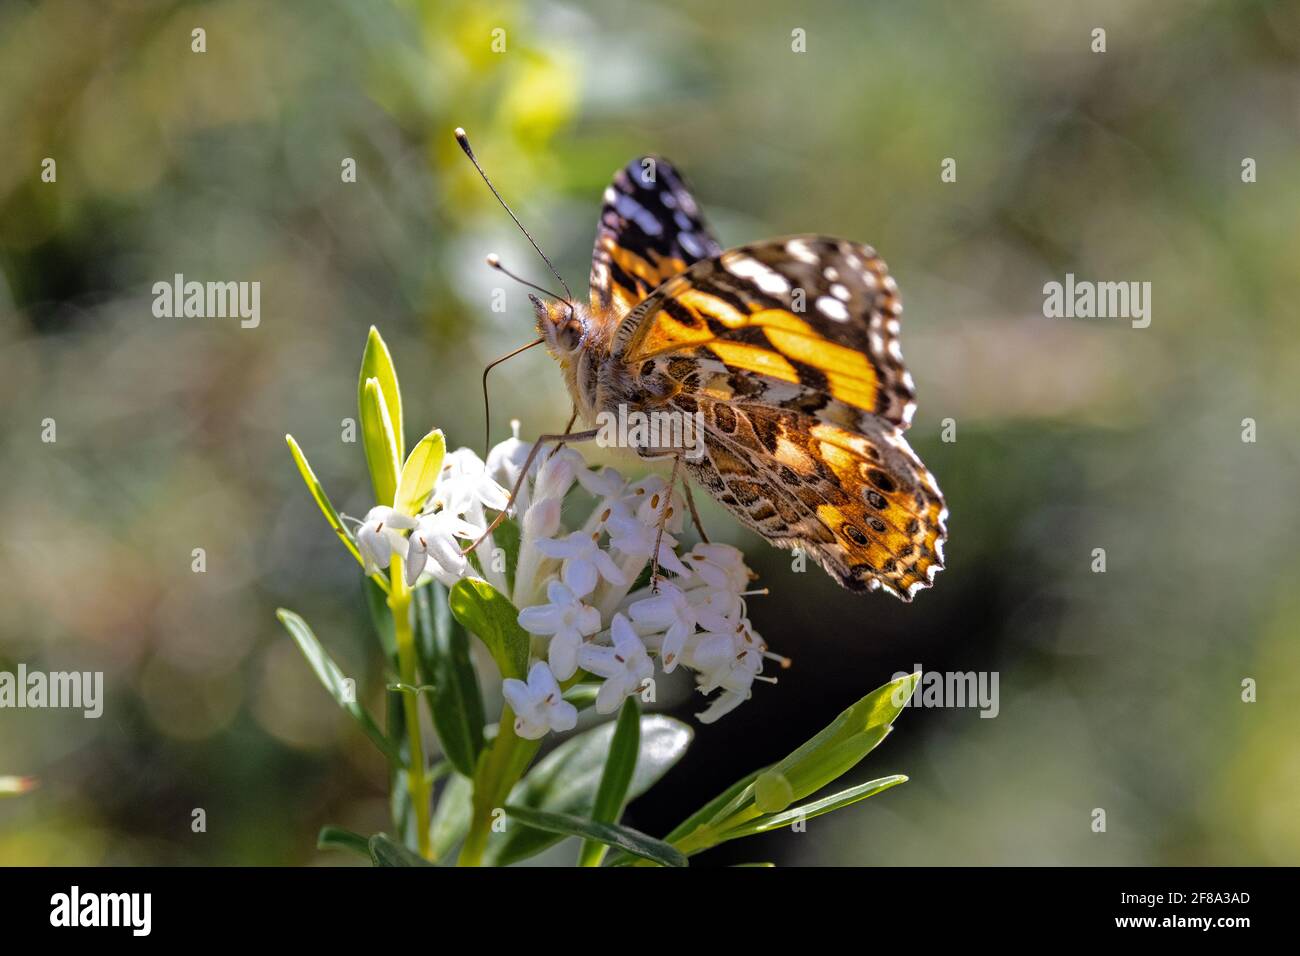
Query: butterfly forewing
x=650 y=230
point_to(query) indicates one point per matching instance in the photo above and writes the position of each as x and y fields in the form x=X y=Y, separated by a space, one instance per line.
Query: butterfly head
x=564 y=325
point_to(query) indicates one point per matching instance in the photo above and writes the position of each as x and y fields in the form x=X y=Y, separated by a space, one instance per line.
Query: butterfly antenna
x=487 y=408
x=494 y=261
x=463 y=140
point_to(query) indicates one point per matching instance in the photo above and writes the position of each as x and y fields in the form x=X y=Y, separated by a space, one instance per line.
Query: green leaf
x=506 y=537
x=377 y=363
x=327 y=508
x=420 y=473
x=329 y=674
x=848 y=738
x=582 y=696
x=567 y=779
x=456 y=703
x=380 y=443
x=617 y=777
x=816 y=808
x=381 y=619
x=332 y=837
x=385 y=852
x=490 y=615
x=452 y=816
x=711 y=809
x=838 y=748
x=610 y=834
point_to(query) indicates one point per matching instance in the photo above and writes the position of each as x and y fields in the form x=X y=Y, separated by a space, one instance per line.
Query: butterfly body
x=786 y=352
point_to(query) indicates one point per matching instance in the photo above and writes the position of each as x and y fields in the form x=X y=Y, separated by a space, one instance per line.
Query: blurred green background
x=1119 y=690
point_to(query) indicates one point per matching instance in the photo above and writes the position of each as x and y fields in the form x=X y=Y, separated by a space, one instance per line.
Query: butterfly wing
x=789 y=351
x=860 y=503
x=650 y=230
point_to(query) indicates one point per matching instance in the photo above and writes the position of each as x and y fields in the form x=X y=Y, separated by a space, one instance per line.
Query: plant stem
x=500 y=770
x=417 y=780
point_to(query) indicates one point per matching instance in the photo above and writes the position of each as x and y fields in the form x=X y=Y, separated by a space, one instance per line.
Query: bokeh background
x=1119 y=690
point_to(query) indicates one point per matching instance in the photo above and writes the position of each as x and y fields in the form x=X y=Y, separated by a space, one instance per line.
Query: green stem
x=502 y=766
x=417 y=780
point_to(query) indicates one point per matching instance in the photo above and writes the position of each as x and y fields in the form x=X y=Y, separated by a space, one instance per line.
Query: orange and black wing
x=789 y=352
x=650 y=230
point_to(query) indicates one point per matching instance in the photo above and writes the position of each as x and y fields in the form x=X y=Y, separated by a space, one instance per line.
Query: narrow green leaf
x=380 y=443
x=617 y=777
x=489 y=614
x=377 y=363
x=327 y=508
x=452 y=816
x=333 y=837
x=712 y=810
x=381 y=619
x=329 y=674
x=420 y=473
x=611 y=834
x=385 y=852
x=566 y=780
x=455 y=703
x=835 y=750
x=816 y=808
x=762 y=866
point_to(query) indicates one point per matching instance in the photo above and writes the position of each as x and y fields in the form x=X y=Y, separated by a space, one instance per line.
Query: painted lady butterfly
x=788 y=349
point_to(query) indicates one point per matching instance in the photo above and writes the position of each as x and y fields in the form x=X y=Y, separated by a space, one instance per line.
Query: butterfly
x=787 y=351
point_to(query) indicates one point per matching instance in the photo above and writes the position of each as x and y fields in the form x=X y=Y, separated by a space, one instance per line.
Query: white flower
x=730 y=660
x=538 y=704
x=567 y=620
x=625 y=666
x=435 y=538
x=719 y=565
x=379 y=535
x=584 y=562
x=669 y=611
x=465 y=487
x=636 y=538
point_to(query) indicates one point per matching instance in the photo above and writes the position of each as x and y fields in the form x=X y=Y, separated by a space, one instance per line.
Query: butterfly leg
x=695 y=515
x=567 y=428
x=664 y=513
x=567 y=436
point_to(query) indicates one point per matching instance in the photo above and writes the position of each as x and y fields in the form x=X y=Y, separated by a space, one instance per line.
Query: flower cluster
x=581 y=584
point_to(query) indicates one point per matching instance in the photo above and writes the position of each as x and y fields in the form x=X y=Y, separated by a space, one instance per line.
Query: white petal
x=609 y=697
x=540 y=619
x=580 y=575
x=563 y=654
x=517 y=694
x=563 y=715
x=724 y=704
x=542 y=682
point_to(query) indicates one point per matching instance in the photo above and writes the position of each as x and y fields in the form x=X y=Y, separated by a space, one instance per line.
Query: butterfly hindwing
x=650 y=230
x=860 y=503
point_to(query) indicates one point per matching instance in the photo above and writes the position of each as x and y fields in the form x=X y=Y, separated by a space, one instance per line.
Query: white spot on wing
x=799 y=249
x=765 y=278
x=832 y=308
